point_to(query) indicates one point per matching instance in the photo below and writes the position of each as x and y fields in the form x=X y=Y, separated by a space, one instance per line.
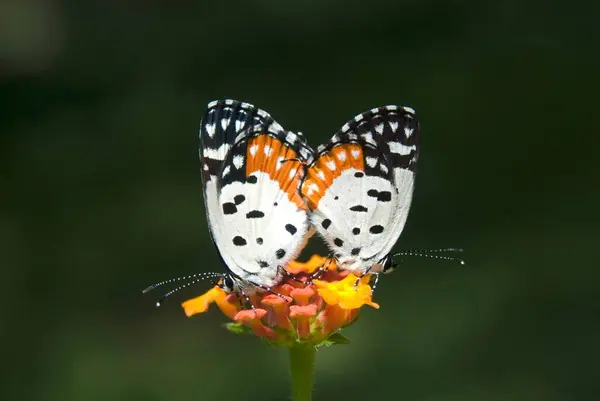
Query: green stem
x=302 y=360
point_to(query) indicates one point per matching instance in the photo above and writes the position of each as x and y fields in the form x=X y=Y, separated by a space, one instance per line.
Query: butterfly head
x=387 y=264
x=226 y=283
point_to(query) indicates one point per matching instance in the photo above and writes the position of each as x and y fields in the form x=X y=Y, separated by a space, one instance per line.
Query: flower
x=311 y=313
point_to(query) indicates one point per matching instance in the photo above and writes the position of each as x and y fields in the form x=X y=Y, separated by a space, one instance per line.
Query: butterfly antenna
x=434 y=250
x=181 y=287
x=424 y=254
x=200 y=276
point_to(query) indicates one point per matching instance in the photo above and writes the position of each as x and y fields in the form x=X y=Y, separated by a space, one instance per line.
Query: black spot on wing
x=229 y=208
x=359 y=174
x=373 y=193
x=376 y=229
x=252 y=179
x=255 y=214
x=239 y=241
x=280 y=253
x=355 y=251
x=359 y=208
x=338 y=242
x=356 y=231
x=238 y=199
x=291 y=228
x=259 y=241
x=326 y=223
x=262 y=263
x=384 y=196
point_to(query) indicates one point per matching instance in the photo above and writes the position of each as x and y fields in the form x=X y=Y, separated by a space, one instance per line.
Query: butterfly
x=251 y=172
x=359 y=187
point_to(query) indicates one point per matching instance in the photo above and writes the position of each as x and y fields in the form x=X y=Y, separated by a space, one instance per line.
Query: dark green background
x=100 y=188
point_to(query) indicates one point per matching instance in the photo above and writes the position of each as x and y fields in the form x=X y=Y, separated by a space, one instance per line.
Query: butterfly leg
x=322 y=269
x=267 y=289
x=292 y=277
x=361 y=276
x=317 y=273
x=242 y=306
x=375 y=281
x=246 y=298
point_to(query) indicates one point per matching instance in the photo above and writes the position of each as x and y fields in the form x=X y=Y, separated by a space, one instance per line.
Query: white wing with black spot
x=360 y=186
x=252 y=169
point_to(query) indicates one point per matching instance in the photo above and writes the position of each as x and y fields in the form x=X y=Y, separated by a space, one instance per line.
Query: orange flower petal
x=307 y=267
x=230 y=305
x=201 y=304
x=285 y=289
x=278 y=311
x=302 y=314
x=304 y=310
x=272 y=300
x=249 y=315
x=252 y=318
x=302 y=295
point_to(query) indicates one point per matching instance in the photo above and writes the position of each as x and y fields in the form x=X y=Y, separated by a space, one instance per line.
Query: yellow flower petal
x=328 y=292
x=344 y=294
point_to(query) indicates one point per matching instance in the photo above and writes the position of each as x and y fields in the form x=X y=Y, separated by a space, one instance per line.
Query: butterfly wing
x=252 y=169
x=360 y=185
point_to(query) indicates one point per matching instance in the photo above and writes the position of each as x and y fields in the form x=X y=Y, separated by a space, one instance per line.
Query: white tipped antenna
x=183 y=286
x=427 y=253
x=199 y=276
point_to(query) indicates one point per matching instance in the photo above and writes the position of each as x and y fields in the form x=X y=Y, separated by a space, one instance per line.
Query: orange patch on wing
x=327 y=168
x=265 y=154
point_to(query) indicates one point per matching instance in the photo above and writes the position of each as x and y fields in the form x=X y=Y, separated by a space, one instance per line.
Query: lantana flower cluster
x=312 y=312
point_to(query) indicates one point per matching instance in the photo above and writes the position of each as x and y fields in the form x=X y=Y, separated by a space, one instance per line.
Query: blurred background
x=100 y=104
